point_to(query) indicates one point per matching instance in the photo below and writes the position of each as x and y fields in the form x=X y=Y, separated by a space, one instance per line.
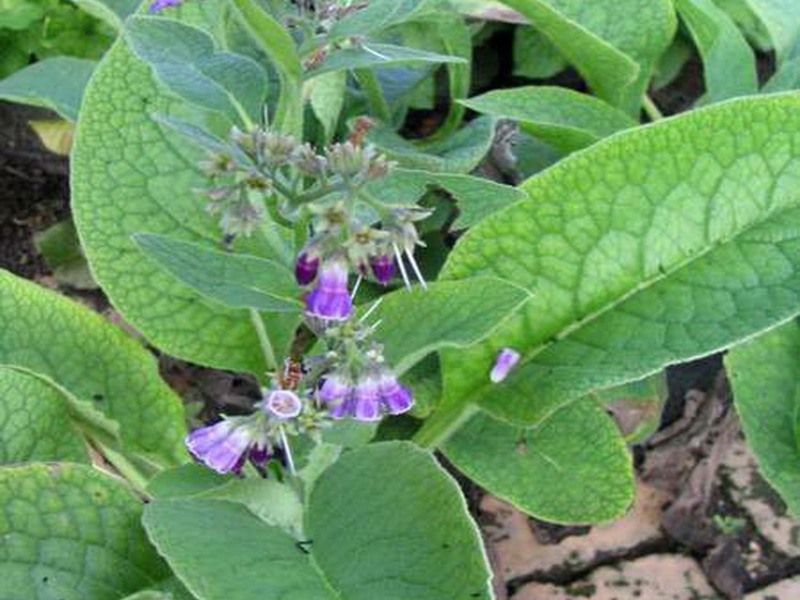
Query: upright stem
x=443 y=424
x=372 y=87
x=263 y=338
x=651 y=109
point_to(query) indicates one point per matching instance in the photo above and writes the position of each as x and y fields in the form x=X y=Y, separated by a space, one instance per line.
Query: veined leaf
x=35 y=421
x=383 y=522
x=94 y=361
x=476 y=198
x=765 y=377
x=729 y=65
x=129 y=174
x=187 y=63
x=787 y=78
x=571 y=468
x=452 y=314
x=72 y=533
x=113 y=12
x=782 y=20
x=565 y=119
x=652 y=247
x=374 y=17
x=535 y=57
x=236 y=280
x=57 y=83
x=373 y=54
x=459 y=153
x=615 y=50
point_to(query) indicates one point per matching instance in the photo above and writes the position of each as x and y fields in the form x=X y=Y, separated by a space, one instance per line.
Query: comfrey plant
x=245 y=199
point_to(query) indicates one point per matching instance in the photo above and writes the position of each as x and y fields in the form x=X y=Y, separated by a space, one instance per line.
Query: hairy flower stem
x=651 y=109
x=263 y=338
x=441 y=426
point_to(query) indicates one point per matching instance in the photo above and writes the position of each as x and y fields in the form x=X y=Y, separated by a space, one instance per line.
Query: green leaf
x=113 y=12
x=279 y=45
x=56 y=83
x=451 y=314
x=614 y=49
x=131 y=175
x=186 y=62
x=35 y=421
x=786 y=79
x=637 y=405
x=729 y=65
x=61 y=250
x=69 y=532
x=383 y=522
x=765 y=378
x=565 y=119
x=374 y=17
x=186 y=480
x=572 y=468
x=94 y=361
x=373 y=54
x=476 y=198
x=236 y=280
x=326 y=95
x=459 y=153
x=782 y=20
x=650 y=248
x=535 y=57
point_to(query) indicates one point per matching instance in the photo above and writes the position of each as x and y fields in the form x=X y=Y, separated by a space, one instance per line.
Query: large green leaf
x=68 y=532
x=459 y=153
x=129 y=175
x=35 y=421
x=765 y=377
x=565 y=119
x=237 y=280
x=94 y=361
x=475 y=197
x=729 y=65
x=782 y=20
x=449 y=314
x=113 y=12
x=614 y=48
x=373 y=17
x=383 y=522
x=573 y=467
x=185 y=60
x=57 y=83
x=651 y=247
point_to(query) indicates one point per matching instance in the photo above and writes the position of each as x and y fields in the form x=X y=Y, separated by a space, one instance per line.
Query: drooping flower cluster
x=367 y=399
x=227 y=445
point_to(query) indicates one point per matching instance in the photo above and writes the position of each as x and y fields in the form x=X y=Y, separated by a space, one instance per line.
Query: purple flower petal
x=366 y=401
x=330 y=299
x=395 y=398
x=340 y=408
x=382 y=268
x=159 y=5
x=506 y=360
x=333 y=389
x=221 y=446
x=284 y=404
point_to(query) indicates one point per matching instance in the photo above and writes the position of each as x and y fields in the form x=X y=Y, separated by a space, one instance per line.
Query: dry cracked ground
x=704 y=526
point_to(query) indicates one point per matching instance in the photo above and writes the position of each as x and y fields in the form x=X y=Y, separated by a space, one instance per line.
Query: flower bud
x=305 y=269
x=382 y=267
x=506 y=360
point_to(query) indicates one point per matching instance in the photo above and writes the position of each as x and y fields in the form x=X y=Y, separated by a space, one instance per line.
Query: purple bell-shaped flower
x=305 y=269
x=283 y=404
x=395 y=398
x=366 y=400
x=223 y=446
x=506 y=360
x=382 y=267
x=330 y=299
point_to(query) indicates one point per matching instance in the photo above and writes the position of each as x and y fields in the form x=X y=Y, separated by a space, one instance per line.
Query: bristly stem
x=263 y=338
x=651 y=109
x=372 y=88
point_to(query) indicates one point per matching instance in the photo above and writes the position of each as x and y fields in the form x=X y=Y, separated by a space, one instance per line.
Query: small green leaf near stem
x=263 y=339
